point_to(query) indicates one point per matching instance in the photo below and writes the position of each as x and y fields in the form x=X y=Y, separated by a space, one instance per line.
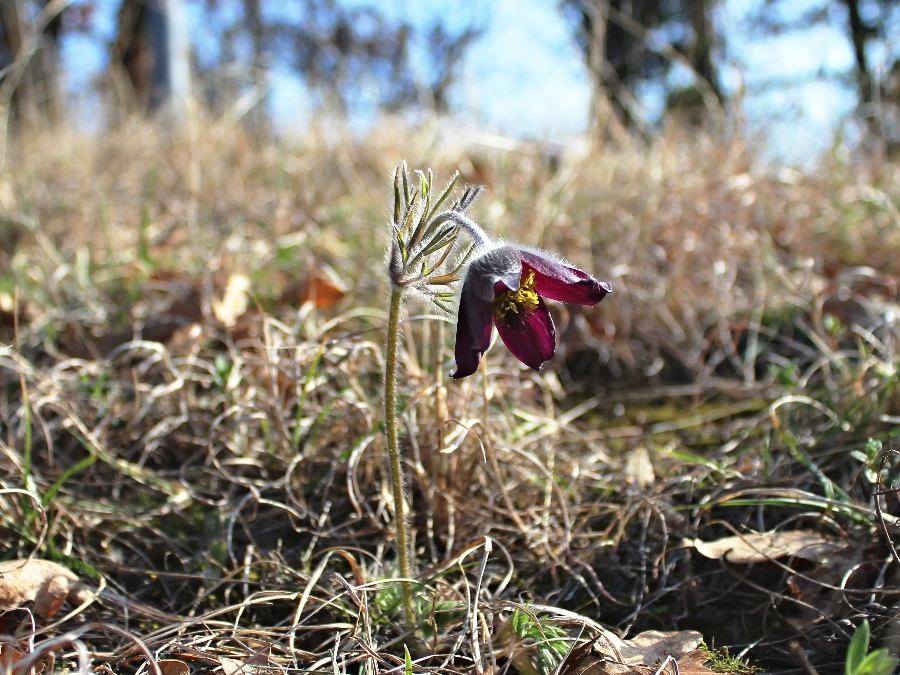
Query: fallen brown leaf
x=44 y=582
x=652 y=646
x=640 y=655
x=692 y=663
x=321 y=286
x=755 y=547
x=585 y=659
x=819 y=590
x=173 y=667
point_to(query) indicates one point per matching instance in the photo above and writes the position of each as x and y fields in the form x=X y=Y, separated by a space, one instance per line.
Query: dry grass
x=228 y=484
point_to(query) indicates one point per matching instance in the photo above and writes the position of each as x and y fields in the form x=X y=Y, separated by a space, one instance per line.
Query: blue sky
x=525 y=78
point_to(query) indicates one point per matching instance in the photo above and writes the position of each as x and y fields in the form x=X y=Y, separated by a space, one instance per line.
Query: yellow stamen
x=511 y=302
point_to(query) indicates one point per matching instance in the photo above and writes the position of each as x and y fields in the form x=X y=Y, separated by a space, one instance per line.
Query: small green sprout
x=538 y=646
x=860 y=661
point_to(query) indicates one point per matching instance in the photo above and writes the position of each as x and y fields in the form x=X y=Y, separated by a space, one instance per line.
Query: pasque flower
x=505 y=287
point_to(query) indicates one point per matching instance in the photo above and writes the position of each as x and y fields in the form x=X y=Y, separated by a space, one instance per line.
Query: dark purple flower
x=505 y=287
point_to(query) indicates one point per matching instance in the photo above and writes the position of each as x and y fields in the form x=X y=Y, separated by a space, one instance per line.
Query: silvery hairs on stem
x=423 y=237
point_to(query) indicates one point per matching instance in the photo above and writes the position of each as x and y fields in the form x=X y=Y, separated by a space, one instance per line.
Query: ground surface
x=190 y=408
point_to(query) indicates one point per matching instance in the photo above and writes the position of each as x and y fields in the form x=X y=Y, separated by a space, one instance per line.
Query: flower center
x=522 y=301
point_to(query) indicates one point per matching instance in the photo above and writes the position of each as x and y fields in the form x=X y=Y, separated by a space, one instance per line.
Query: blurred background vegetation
x=608 y=66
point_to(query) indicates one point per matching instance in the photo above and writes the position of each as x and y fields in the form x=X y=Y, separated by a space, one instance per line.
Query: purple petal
x=531 y=337
x=473 y=330
x=562 y=282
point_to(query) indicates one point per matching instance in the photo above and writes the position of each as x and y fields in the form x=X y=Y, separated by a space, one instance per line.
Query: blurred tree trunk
x=609 y=114
x=257 y=119
x=595 y=27
x=860 y=32
x=626 y=43
x=890 y=115
x=33 y=87
x=152 y=47
x=611 y=35
x=704 y=43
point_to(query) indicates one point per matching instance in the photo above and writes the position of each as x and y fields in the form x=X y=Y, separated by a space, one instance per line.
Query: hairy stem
x=393 y=443
x=440 y=404
x=467 y=225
